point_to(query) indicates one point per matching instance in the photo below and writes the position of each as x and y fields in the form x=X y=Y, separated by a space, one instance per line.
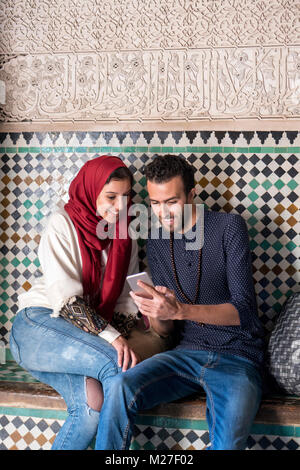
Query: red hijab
x=81 y=207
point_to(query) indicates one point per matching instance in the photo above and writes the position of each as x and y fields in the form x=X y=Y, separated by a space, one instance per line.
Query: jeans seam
x=190 y=378
x=203 y=370
x=71 y=336
x=208 y=392
x=215 y=363
x=208 y=366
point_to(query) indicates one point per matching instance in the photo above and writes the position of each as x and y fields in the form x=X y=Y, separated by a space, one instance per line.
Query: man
x=205 y=296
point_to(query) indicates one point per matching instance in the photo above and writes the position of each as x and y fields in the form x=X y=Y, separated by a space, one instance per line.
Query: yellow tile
x=279 y=208
x=278 y=220
x=26 y=285
x=292 y=221
x=292 y=209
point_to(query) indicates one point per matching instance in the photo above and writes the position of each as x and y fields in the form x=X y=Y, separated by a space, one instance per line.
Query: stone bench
x=32 y=413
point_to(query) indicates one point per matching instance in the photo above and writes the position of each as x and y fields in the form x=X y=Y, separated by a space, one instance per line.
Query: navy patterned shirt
x=226 y=276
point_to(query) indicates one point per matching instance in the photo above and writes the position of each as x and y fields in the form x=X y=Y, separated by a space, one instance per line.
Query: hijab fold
x=81 y=207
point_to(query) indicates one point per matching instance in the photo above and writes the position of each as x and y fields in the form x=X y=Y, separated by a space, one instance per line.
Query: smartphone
x=134 y=278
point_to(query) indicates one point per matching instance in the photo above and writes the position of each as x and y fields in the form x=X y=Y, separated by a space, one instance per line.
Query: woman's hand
x=125 y=353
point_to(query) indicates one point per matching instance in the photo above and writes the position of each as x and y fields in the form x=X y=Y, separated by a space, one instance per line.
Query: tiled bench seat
x=31 y=413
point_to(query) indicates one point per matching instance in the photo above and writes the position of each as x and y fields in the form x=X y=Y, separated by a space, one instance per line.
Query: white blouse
x=61 y=264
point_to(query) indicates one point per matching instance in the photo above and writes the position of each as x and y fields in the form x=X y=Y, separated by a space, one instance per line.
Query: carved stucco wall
x=146 y=61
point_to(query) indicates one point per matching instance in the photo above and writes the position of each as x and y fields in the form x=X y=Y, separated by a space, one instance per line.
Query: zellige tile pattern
x=255 y=174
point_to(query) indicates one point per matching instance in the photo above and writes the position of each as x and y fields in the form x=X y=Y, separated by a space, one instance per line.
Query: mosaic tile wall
x=255 y=174
x=28 y=429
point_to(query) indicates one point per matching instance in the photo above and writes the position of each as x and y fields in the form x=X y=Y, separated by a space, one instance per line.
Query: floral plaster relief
x=147 y=60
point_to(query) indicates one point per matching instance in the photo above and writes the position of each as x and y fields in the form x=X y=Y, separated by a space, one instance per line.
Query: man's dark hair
x=165 y=167
x=120 y=173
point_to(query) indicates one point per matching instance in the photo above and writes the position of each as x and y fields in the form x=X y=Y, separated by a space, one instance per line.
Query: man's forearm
x=162 y=309
x=219 y=314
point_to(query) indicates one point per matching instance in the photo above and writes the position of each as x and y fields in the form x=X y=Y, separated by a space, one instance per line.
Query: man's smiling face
x=167 y=201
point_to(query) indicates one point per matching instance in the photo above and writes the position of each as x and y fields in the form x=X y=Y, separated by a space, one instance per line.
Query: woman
x=83 y=282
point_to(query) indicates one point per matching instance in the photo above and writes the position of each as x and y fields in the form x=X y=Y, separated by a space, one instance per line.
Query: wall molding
x=44 y=26
x=149 y=62
x=216 y=125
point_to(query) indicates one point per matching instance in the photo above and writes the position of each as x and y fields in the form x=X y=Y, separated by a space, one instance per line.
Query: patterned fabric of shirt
x=226 y=276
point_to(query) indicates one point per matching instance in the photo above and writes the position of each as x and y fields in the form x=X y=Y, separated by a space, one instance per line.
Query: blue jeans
x=61 y=355
x=232 y=385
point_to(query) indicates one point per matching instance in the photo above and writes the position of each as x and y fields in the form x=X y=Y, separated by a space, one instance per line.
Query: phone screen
x=132 y=281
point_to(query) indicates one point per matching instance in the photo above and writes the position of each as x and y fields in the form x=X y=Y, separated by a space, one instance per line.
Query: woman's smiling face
x=113 y=198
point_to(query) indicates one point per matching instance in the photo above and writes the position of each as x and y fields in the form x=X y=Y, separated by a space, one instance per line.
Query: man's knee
x=122 y=387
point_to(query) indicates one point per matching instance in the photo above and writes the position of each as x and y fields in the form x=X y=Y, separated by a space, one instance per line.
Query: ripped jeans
x=232 y=384
x=63 y=356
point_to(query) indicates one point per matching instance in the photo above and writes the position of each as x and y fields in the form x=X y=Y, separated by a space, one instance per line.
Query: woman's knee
x=94 y=393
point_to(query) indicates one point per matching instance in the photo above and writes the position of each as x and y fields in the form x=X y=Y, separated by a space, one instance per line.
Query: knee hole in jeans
x=94 y=393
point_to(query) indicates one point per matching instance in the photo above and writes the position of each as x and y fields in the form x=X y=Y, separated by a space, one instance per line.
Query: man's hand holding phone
x=137 y=289
x=157 y=302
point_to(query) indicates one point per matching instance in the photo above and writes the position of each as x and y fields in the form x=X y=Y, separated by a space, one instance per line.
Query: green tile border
x=34 y=412
x=274 y=429
x=151 y=149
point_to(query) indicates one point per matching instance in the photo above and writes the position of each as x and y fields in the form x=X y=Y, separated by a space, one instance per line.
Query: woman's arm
x=60 y=260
